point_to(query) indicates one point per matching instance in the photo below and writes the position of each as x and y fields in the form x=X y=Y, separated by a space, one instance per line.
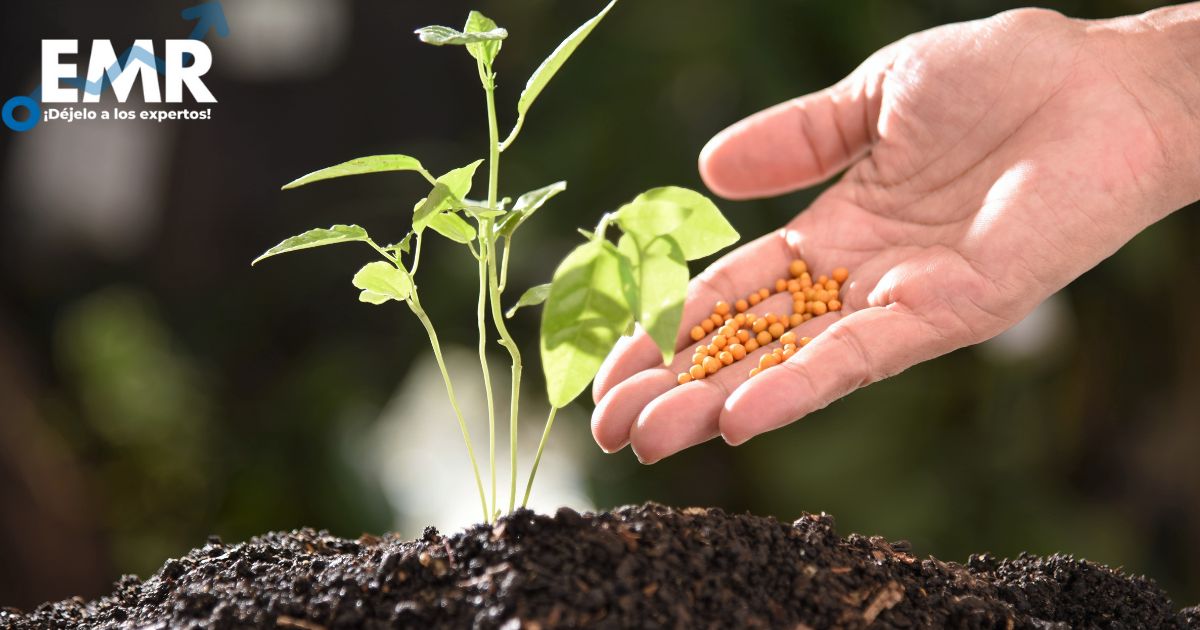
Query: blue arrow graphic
x=208 y=16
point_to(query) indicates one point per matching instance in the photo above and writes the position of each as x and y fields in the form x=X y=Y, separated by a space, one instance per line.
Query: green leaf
x=534 y=199
x=447 y=194
x=501 y=205
x=509 y=224
x=537 y=82
x=585 y=314
x=704 y=232
x=648 y=219
x=531 y=297
x=660 y=280
x=453 y=227
x=317 y=238
x=629 y=283
x=459 y=180
x=403 y=246
x=526 y=205
x=481 y=211
x=484 y=51
x=446 y=36
x=439 y=200
x=381 y=281
x=363 y=166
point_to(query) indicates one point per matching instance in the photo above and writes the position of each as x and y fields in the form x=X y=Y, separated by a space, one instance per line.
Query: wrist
x=1156 y=56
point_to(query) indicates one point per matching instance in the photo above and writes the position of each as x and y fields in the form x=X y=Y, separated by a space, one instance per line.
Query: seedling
x=598 y=292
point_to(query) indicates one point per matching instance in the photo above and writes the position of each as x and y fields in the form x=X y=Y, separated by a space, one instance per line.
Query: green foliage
x=597 y=292
x=585 y=314
x=705 y=230
x=550 y=66
x=481 y=212
x=452 y=227
x=650 y=219
x=664 y=228
x=440 y=199
x=447 y=194
x=459 y=179
x=526 y=205
x=531 y=297
x=660 y=280
x=381 y=281
x=446 y=36
x=479 y=24
x=317 y=238
x=403 y=247
x=363 y=166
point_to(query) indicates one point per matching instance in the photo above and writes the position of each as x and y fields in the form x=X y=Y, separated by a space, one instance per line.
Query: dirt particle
x=285 y=621
x=889 y=596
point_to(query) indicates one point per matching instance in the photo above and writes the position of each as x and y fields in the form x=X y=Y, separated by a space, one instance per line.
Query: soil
x=635 y=567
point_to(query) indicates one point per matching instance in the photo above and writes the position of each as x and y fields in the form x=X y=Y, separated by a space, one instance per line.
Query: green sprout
x=599 y=291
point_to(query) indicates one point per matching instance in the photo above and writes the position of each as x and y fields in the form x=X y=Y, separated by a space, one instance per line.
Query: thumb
x=799 y=142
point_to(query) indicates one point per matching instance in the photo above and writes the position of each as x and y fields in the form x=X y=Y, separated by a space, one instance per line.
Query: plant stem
x=494 y=283
x=483 y=364
x=602 y=226
x=506 y=340
x=504 y=265
x=512 y=135
x=538 y=458
x=489 y=89
x=415 y=305
x=416 y=255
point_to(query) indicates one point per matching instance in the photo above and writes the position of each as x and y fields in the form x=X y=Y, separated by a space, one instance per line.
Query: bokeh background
x=155 y=389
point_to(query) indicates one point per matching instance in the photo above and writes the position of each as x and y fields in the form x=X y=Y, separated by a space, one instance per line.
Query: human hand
x=990 y=163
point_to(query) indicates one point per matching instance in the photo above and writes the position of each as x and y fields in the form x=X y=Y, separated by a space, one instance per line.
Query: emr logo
x=184 y=65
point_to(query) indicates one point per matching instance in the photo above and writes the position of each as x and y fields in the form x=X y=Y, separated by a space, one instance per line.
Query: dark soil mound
x=646 y=566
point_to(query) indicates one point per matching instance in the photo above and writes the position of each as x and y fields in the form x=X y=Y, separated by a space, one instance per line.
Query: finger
x=862 y=348
x=629 y=356
x=616 y=412
x=687 y=415
x=799 y=142
x=682 y=417
x=749 y=268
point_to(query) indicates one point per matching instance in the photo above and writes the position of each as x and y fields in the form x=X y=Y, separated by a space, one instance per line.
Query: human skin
x=988 y=164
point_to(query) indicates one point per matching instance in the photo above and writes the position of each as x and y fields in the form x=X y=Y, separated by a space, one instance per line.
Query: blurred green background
x=155 y=389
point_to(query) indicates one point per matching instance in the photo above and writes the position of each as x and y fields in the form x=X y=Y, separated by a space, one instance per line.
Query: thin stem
x=493 y=141
x=416 y=255
x=382 y=252
x=504 y=265
x=415 y=305
x=602 y=226
x=483 y=364
x=538 y=458
x=506 y=340
x=489 y=235
x=512 y=135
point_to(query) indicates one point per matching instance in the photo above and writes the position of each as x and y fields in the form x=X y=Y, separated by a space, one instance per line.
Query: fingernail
x=610 y=451
x=643 y=460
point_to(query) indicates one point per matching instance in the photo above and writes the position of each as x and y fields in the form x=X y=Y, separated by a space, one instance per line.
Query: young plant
x=599 y=292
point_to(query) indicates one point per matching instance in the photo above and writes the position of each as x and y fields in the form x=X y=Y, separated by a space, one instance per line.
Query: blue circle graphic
x=35 y=113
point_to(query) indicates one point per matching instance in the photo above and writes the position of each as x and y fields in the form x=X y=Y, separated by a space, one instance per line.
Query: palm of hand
x=1001 y=156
